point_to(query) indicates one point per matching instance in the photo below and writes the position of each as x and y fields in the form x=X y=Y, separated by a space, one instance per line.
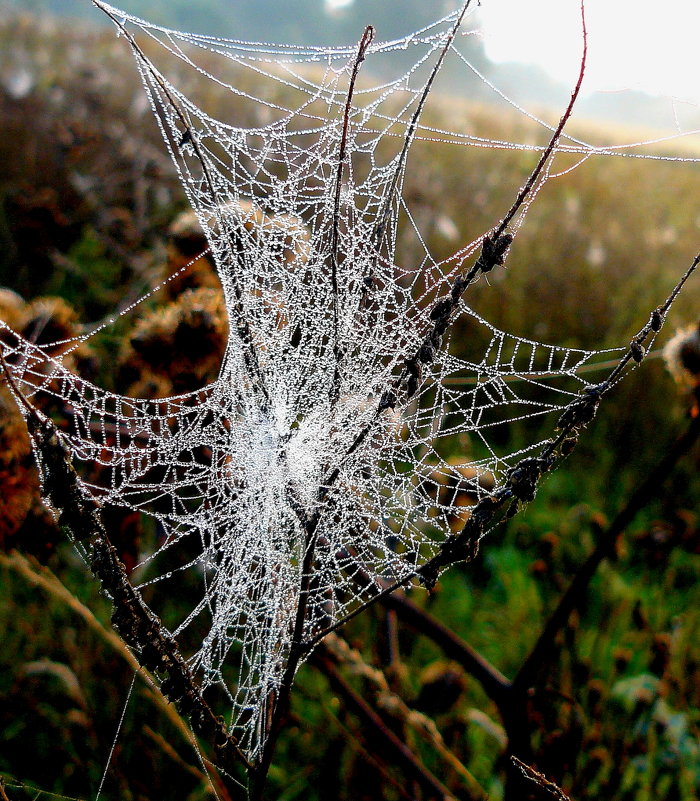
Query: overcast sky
x=633 y=44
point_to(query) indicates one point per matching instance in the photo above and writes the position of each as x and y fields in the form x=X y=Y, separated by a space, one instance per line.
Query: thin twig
x=386 y=740
x=380 y=228
x=335 y=235
x=656 y=321
x=527 y=188
x=493 y=251
x=545 y=787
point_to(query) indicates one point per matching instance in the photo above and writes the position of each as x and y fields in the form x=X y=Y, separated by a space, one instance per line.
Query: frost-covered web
x=323 y=418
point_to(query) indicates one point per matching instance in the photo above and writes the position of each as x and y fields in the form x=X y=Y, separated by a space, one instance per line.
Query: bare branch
x=384 y=738
x=541 y=652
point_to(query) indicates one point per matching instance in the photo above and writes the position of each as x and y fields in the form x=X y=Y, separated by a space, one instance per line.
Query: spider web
x=298 y=191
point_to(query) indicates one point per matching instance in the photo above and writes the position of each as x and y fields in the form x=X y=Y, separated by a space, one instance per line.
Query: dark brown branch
x=543 y=788
x=342 y=153
x=495 y=684
x=386 y=741
x=574 y=595
x=140 y=628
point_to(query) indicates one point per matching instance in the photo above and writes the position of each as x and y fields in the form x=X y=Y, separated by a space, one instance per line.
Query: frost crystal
x=323 y=456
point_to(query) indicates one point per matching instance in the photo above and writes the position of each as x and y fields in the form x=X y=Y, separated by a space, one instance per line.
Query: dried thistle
x=682 y=356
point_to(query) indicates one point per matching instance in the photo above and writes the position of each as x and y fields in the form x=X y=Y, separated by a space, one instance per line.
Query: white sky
x=633 y=44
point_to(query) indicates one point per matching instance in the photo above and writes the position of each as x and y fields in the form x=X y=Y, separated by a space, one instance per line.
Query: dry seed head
x=12 y=308
x=177 y=347
x=682 y=356
x=187 y=242
x=18 y=477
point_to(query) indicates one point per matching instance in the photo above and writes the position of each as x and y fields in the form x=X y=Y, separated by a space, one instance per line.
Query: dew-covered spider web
x=343 y=440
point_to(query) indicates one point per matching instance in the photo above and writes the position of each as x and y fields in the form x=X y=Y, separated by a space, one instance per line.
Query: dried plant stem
x=493 y=251
x=380 y=228
x=527 y=188
x=398 y=710
x=544 y=789
x=541 y=653
x=386 y=741
x=335 y=235
x=140 y=628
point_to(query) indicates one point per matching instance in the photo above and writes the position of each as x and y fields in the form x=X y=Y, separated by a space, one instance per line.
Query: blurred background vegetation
x=88 y=204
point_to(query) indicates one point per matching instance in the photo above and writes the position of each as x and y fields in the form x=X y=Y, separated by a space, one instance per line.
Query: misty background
x=342 y=22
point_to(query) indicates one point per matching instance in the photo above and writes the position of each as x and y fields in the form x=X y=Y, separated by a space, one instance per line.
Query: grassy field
x=87 y=196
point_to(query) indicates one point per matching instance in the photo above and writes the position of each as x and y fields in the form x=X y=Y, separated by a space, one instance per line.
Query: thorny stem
x=493 y=252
